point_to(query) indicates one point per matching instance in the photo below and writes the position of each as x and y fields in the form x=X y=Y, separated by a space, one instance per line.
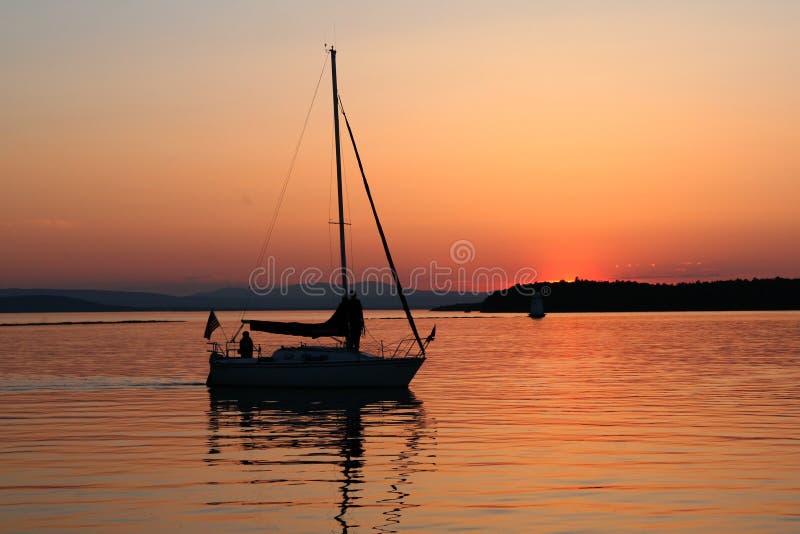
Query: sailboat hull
x=374 y=372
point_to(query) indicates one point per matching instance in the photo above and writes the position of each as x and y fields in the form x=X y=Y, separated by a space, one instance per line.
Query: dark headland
x=621 y=296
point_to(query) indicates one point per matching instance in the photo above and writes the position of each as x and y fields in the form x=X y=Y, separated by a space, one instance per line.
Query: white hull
x=368 y=372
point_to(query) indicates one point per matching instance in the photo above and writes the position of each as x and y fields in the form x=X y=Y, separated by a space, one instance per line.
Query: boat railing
x=230 y=347
x=405 y=348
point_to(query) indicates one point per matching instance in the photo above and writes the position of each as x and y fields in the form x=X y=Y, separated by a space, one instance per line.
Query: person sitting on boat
x=246 y=345
x=355 y=323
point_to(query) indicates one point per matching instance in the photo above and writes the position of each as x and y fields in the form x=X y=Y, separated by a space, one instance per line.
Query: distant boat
x=342 y=364
x=537 y=307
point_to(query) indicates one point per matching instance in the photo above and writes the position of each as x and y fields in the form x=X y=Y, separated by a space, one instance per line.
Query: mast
x=342 y=247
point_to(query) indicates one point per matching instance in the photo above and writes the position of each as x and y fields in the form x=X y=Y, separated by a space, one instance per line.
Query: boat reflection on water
x=367 y=443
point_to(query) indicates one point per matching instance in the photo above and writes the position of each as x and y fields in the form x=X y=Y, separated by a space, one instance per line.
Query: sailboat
x=537 y=307
x=342 y=364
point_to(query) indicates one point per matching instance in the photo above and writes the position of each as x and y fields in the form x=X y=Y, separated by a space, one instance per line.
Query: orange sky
x=142 y=146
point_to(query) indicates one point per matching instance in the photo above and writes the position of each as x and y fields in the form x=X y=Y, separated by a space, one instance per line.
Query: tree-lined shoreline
x=619 y=296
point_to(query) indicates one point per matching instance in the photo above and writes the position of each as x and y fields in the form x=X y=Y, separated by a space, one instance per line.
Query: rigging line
x=389 y=259
x=349 y=229
x=330 y=203
x=374 y=339
x=282 y=194
x=330 y=247
x=352 y=256
x=223 y=332
x=233 y=337
x=378 y=344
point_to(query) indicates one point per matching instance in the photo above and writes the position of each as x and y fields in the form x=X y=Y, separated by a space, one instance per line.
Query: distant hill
x=132 y=299
x=592 y=296
x=320 y=296
x=50 y=303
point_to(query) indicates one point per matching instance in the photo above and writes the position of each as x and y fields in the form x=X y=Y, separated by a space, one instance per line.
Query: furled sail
x=335 y=326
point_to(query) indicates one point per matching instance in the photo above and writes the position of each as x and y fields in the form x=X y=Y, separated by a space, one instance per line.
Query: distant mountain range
x=51 y=303
x=372 y=295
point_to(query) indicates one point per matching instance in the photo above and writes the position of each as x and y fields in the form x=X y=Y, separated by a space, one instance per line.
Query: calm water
x=593 y=422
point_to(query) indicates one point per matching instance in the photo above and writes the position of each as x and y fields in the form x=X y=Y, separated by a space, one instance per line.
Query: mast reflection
x=384 y=430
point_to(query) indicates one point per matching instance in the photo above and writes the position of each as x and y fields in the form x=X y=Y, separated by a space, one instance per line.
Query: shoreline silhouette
x=756 y=294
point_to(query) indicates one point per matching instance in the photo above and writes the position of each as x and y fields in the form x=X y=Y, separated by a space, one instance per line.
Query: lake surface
x=577 y=422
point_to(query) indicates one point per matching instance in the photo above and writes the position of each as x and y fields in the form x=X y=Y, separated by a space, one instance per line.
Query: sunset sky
x=143 y=144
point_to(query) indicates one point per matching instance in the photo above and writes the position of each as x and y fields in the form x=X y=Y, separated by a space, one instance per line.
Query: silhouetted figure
x=246 y=345
x=355 y=323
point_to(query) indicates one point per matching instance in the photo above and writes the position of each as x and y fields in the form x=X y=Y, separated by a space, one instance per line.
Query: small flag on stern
x=211 y=325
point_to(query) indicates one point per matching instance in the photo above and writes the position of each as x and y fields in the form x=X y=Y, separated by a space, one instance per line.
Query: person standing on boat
x=246 y=345
x=355 y=323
